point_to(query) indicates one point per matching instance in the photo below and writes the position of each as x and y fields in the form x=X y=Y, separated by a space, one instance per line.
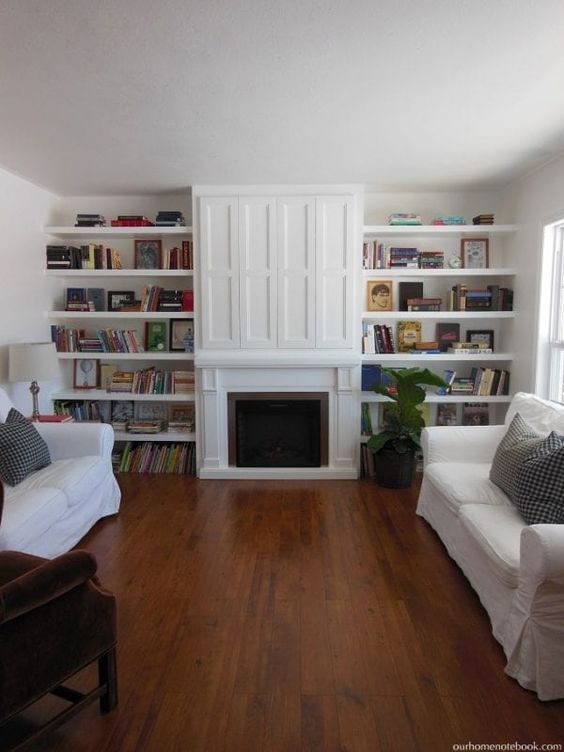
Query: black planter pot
x=393 y=470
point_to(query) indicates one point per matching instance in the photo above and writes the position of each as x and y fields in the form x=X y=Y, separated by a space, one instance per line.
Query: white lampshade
x=33 y=361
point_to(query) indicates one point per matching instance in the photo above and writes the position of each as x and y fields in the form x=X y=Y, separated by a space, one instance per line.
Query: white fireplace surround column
x=254 y=375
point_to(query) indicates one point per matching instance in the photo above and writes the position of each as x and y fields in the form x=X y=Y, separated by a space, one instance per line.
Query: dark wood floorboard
x=293 y=617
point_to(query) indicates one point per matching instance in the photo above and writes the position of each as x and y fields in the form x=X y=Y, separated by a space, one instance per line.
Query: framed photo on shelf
x=481 y=336
x=474 y=253
x=148 y=254
x=86 y=373
x=118 y=298
x=181 y=337
x=155 y=336
x=379 y=295
x=150 y=411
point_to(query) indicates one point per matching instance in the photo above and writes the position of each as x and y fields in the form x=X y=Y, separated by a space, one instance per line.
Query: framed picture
x=150 y=411
x=181 y=335
x=86 y=373
x=474 y=253
x=155 y=336
x=181 y=412
x=148 y=254
x=379 y=295
x=118 y=298
x=481 y=337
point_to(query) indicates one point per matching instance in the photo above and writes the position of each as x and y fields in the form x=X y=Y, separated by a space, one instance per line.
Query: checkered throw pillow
x=22 y=449
x=538 y=491
x=518 y=443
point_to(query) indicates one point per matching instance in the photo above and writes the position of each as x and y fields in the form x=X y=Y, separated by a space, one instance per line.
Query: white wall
x=25 y=291
x=533 y=201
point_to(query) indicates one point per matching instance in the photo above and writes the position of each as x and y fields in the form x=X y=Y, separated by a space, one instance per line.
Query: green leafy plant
x=404 y=419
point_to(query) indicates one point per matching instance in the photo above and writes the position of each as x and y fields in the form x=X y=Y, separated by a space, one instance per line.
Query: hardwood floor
x=296 y=616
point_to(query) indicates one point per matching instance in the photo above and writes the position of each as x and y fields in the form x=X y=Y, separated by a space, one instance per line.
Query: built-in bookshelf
x=167 y=450
x=437 y=283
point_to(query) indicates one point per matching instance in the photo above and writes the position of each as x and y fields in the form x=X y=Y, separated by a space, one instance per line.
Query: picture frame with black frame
x=117 y=298
x=86 y=373
x=181 y=335
x=474 y=253
x=481 y=336
x=148 y=254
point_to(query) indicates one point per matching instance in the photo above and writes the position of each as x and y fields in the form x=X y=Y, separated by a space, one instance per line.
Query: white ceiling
x=144 y=96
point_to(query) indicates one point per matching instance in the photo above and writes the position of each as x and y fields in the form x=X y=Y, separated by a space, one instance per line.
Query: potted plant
x=394 y=447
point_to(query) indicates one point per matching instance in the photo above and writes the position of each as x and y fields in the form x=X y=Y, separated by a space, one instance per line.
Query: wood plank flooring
x=293 y=617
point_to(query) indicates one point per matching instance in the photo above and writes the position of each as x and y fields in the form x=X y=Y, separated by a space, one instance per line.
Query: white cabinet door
x=258 y=284
x=219 y=272
x=334 y=259
x=296 y=272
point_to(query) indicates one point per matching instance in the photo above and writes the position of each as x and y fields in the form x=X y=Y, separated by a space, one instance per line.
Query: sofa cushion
x=541 y=415
x=22 y=449
x=519 y=441
x=29 y=514
x=465 y=483
x=538 y=491
x=497 y=530
x=76 y=477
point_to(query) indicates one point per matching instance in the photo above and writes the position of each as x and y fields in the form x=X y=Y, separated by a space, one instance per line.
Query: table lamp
x=33 y=362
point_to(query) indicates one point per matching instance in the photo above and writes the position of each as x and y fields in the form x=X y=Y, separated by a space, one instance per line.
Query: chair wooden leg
x=107 y=674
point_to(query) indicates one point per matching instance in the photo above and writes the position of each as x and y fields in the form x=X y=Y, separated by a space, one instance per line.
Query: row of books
x=179 y=257
x=492 y=298
x=404 y=218
x=174 y=416
x=149 y=457
x=106 y=340
x=90 y=256
x=377 y=338
x=378 y=255
x=151 y=381
x=163 y=219
x=482 y=382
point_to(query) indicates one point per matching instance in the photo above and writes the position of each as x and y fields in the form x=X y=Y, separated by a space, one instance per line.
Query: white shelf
x=101 y=394
x=441 y=357
x=477 y=230
x=162 y=436
x=403 y=272
x=119 y=315
x=181 y=356
x=118 y=272
x=117 y=232
x=410 y=315
x=373 y=397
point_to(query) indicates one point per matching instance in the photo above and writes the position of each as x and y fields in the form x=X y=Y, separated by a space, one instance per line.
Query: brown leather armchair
x=55 y=619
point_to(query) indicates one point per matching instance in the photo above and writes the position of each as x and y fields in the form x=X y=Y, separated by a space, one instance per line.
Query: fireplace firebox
x=278 y=429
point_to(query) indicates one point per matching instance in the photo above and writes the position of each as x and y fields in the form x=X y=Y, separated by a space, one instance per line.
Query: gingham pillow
x=538 y=491
x=22 y=449
x=519 y=441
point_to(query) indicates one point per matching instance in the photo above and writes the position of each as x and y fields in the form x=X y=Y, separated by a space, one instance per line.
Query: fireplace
x=278 y=429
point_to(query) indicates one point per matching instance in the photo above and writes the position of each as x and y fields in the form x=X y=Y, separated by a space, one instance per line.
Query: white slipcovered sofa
x=516 y=569
x=53 y=508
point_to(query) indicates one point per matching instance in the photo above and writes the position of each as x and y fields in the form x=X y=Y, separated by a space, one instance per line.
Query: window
x=550 y=360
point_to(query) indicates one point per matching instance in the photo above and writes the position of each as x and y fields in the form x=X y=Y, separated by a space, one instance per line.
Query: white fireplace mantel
x=222 y=373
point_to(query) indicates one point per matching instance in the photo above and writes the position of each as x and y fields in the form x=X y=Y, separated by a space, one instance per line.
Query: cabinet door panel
x=257 y=248
x=334 y=271
x=219 y=268
x=296 y=272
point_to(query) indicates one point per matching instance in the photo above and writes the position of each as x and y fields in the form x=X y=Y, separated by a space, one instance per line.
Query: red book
x=187 y=300
x=55 y=418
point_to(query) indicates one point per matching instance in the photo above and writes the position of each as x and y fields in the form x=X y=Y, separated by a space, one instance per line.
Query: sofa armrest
x=542 y=552
x=77 y=439
x=460 y=443
x=44 y=581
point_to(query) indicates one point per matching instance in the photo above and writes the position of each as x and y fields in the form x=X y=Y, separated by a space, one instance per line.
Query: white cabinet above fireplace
x=277 y=271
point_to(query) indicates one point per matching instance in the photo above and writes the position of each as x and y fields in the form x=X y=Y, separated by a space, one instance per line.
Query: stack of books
x=449 y=219
x=170 y=301
x=170 y=219
x=122 y=381
x=131 y=220
x=424 y=304
x=483 y=219
x=399 y=218
x=404 y=257
x=90 y=220
x=182 y=382
x=63 y=257
x=469 y=348
x=145 y=426
x=377 y=338
x=431 y=259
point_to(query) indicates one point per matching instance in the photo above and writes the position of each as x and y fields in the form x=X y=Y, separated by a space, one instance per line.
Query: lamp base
x=34 y=389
